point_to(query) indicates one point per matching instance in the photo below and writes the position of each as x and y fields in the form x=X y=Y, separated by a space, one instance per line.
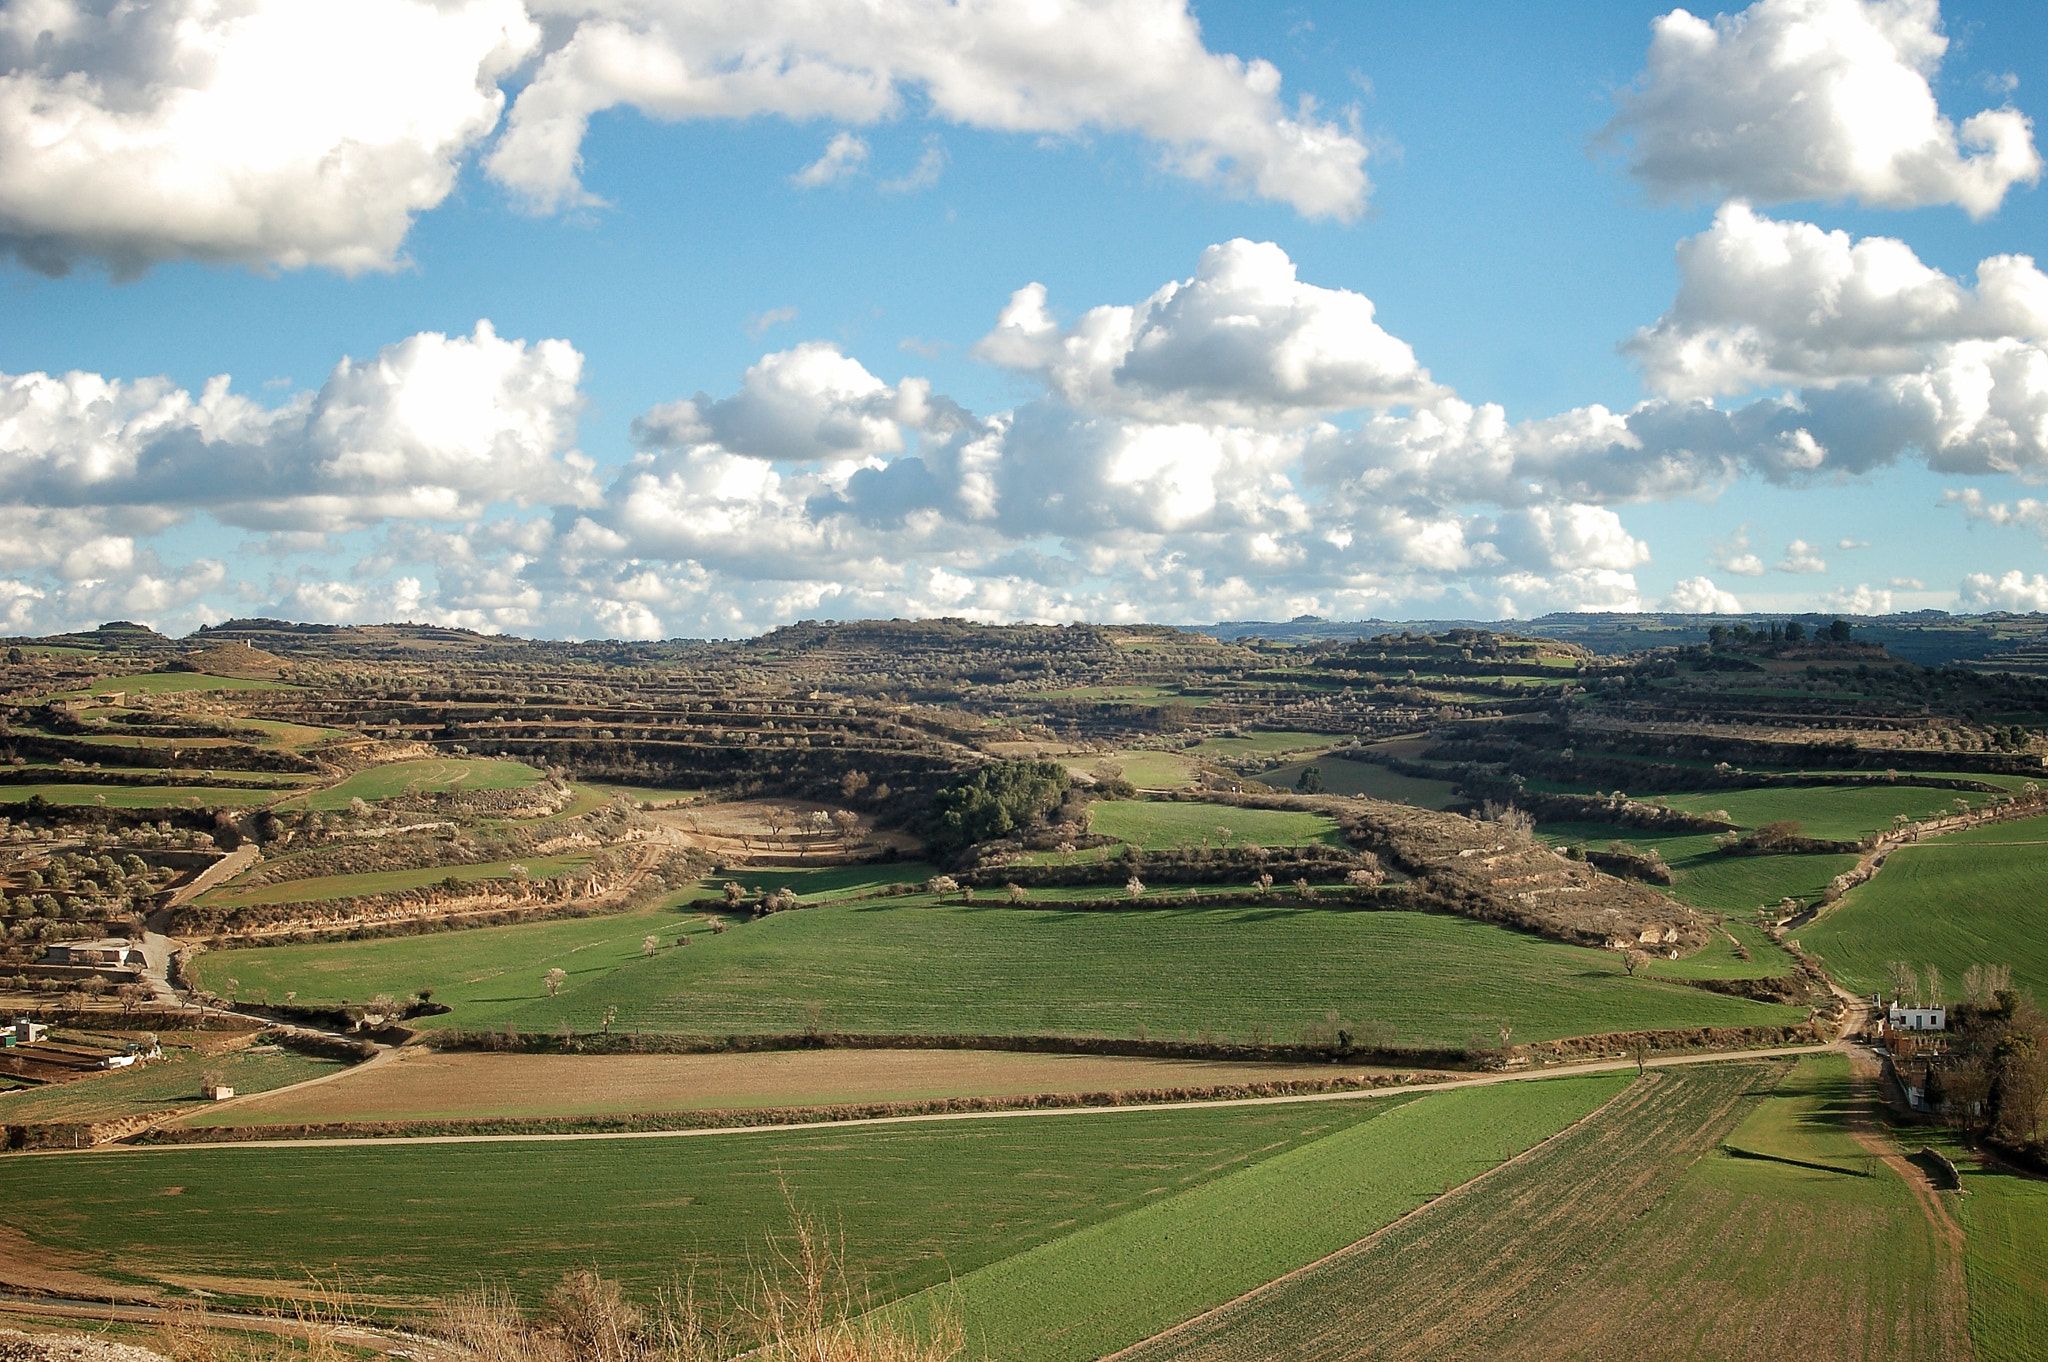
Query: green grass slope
x=915 y=1204
x=1975 y=898
x=1110 y=1285
x=1237 y=972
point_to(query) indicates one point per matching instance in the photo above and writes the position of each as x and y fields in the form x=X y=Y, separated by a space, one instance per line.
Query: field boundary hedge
x=745 y=1117
x=1606 y=1045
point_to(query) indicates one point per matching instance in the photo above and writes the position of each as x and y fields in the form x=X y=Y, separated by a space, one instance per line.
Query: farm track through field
x=1452 y=1280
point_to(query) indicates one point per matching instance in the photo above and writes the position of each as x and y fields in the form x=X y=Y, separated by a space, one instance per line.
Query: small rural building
x=1916 y=1017
x=22 y=1031
x=116 y=951
x=215 y=1091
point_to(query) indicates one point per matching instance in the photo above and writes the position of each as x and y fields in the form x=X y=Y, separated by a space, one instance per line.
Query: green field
x=1705 y=878
x=1163 y=825
x=1108 y=1286
x=1633 y=1237
x=167 y=1082
x=1145 y=769
x=481 y=971
x=825 y=882
x=889 y=967
x=1805 y=1122
x=168 y=683
x=1263 y=744
x=1344 y=777
x=2005 y=1221
x=915 y=1204
x=1974 y=898
x=1719 y=959
x=1838 y=812
x=432 y=776
x=144 y=796
x=1238 y=972
x=318 y=888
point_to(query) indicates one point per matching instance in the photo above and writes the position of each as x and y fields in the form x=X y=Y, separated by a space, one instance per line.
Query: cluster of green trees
x=994 y=800
x=1791 y=631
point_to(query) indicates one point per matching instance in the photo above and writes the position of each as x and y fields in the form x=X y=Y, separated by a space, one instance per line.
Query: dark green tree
x=994 y=800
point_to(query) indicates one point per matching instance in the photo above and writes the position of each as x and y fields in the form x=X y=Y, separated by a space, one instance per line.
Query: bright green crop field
x=1841 y=812
x=1708 y=880
x=1343 y=777
x=883 y=966
x=316 y=888
x=480 y=971
x=1163 y=825
x=1259 y=743
x=1975 y=898
x=432 y=776
x=1241 y=972
x=915 y=1204
x=2005 y=1224
x=145 y=796
x=168 y=1082
x=170 y=683
x=1110 y=1285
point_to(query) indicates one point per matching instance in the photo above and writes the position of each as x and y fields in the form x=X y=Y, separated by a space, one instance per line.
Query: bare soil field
x=431 y=1085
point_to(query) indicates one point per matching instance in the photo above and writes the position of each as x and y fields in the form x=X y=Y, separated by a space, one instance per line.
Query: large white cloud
x=1239 y=445
x=285 y=132
x=1765 y=303
x=433 y=427
x=1699 y=596
x=1243 y=341
x=1062 y=67
x=2015 y=591
x=1815 y=99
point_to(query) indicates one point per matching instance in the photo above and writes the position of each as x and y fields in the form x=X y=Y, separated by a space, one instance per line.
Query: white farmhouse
x=1902 y=1017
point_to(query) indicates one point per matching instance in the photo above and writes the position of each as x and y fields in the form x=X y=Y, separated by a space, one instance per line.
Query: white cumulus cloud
x=1060 y=67
x=1243 y=341
x=1815 y=99
x=1801 y=556
x=1861 y=599
x=433 y=427
x=1766 y=303
x=281 y=132
x=2015 y=591
x=1699 y=596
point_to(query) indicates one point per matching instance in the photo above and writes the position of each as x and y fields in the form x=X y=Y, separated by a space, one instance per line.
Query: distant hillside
x=1931 y=638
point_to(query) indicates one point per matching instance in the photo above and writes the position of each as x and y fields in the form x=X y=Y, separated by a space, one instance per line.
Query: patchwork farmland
x=1456 y=994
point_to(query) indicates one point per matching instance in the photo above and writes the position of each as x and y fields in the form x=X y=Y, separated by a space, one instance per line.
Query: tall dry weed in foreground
x=798 y=1306
x=302 y=1330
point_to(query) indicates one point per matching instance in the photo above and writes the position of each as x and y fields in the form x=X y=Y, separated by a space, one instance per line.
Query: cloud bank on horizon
x=1241 y=442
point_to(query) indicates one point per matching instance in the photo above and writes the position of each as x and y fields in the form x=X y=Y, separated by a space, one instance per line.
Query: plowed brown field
x=429 y=1085
x=1620 y=1241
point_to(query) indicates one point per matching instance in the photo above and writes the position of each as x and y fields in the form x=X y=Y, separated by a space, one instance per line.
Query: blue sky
x=1503 y=242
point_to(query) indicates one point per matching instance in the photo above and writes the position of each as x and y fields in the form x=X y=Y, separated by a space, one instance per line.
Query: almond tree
x=554 y=979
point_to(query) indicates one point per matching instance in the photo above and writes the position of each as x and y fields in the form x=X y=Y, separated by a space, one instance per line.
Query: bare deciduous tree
x=649 y=944
x=554 y=979
x=1633 y=959
x=1905 y=980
